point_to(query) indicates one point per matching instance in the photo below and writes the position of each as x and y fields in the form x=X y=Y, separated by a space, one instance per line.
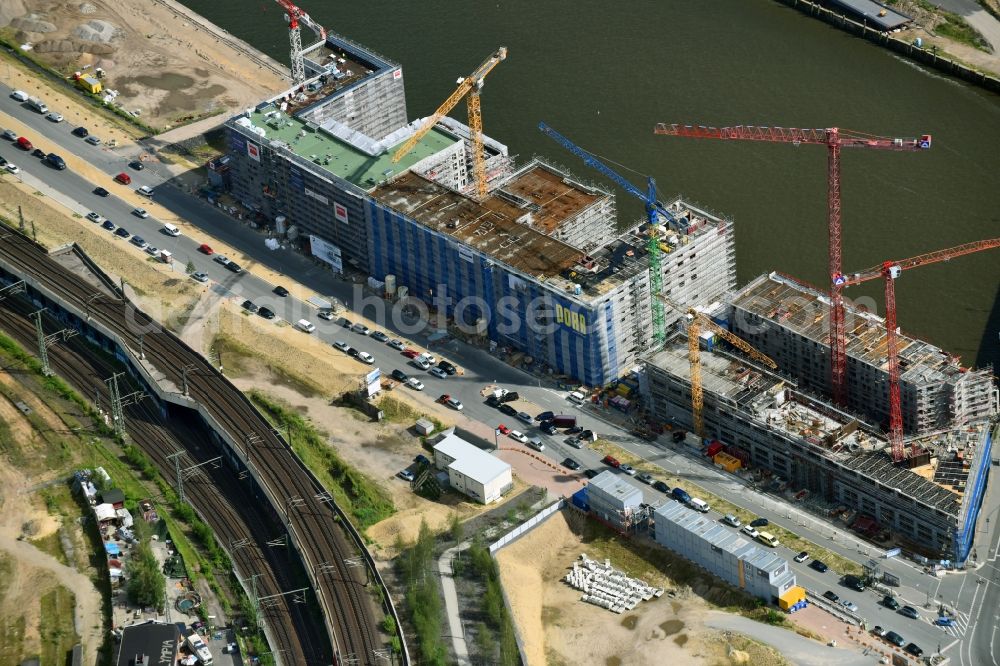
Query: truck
x=37 y=105
x=198 y=648
x=564 y=421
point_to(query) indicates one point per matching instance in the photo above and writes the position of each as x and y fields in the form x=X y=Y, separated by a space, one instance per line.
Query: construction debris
x=607 y=587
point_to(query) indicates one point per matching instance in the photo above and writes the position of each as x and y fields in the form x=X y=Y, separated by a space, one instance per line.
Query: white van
x=699 y=505
x=171 y=230
x=577 y=397
x=305 y=325
x=20 y=95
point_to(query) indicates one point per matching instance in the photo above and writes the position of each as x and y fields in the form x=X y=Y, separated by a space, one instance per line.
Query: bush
x=146 y=586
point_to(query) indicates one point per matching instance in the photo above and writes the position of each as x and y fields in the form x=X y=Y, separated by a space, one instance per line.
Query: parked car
x=628 y=469
x=109 y=225
x=645 y=477
x=801 y=557
x=93 y=217
x=574 y=442
x=280 y=291
x=524 y=416
x=13 y=168
x=944 y=621
x=492 y=401
x=365 y=357
x=910 y=612
x=137 y=165
x=661 y=486
x=221 y=259
x=518 y=436
x=81 y=132
x=611 y=460
x=415 y=384
x=503 y=430
x=569 y=463
x=548 y=428
x=249 y=306
x=447 y=367
x=25 y=144
x=55 y=117
x=590 y=473
x=205 y=248
x=38 y=152
x=266 y=313
x=234 y=267
x=346 y=323
x=854 y=583
x=141 y=213
x=545 y=416
x=894 y=638
x=508 y=410
x=849 y=605
x=750 y=531
x=421 y=459
x=451 y=402
x=123 y=178
x=439 y=373
x=101 y=192
x=93 y=140
x=139 y=242
x=406 y=475
x=818 y=566
x=878 y=631
x=199 y=276
x=759 y=522
x=342 y=346
x=10 y=135
x=731 y=520
x=55 y=161
x=420 y=363
x=396 y=344
x=914 y=649
x=326 y=314
x=536 y=444
x=574 y=430
x=397 y=374
x=361 y=328
x=408 y=353
x=831 y=595
x=153 y=250
x=890 y=602
x=380 y=336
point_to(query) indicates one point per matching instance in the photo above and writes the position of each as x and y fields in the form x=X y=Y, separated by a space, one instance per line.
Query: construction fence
x=526 y=526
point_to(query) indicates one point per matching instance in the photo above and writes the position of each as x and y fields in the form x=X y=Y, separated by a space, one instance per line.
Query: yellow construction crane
x=470 y=86
x=699 y=320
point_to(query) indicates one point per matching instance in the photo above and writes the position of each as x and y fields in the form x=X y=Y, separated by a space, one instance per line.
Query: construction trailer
x=614 y=500
x=724 y=552
x=831 y=459
x=471 y=470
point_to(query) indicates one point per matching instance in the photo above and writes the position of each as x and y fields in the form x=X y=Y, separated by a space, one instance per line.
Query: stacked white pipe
x=605 y=586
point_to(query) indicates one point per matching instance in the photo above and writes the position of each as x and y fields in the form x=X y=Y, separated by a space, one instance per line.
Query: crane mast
x=294 y=16
x=834 y=139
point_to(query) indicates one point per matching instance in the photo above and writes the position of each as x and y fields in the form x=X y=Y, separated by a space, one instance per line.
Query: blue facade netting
x=963 y=537
x=441 y=271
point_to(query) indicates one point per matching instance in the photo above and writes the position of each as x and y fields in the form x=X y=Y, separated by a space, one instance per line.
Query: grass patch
x=11 y=627
x=787 y=538
x=756 y=652
x=240 y=360
x=52 y=545
x=358 y=495
x=955 y=27
x=57 y=632
x=397 y=411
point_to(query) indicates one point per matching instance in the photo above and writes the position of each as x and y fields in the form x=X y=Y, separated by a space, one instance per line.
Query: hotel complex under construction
x=539 y=265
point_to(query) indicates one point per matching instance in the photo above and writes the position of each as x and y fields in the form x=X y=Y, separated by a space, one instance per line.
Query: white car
x=750 y=531
x=341 y=345
x=428 y=357
x=55 y=117
x=327 y=315
x=365 y=357
x=199 y=276
x=415 y=384
x=93 y=217
x=454 y=404
x=361 y=328
x=406 y=475
x=731 y=520
x=849 y=605
x=140 y=212
x=221 y=259
x=421 y=363
x=13 y=168
x=518 y=436
x=152 y=249
x=801 y=557
x=439 y=373
x=628 y=469
x=145 y=191
x=397 y=344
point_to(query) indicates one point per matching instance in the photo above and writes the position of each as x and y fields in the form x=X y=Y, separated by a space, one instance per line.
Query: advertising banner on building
x=316 y=195
x=373 y=382
x=325 y=251
x=253 y=150
x=340 y=212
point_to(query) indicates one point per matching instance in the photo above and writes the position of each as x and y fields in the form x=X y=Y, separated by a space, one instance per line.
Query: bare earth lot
x=163 y=64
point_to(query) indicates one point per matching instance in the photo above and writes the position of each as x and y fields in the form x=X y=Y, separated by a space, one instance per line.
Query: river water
x=604 y=73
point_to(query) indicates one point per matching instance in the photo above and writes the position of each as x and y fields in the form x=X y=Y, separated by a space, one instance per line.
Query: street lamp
x=496 y=439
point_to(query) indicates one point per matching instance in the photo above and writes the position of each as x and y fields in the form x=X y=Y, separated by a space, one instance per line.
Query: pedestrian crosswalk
x=959 y=626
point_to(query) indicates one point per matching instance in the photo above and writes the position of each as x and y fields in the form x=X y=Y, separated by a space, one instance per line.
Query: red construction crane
x=294 y=16
x=890 y=270
x=834 y=139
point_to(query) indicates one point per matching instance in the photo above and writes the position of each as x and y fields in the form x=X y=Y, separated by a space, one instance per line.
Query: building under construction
x=537 y=265
x=794 y=439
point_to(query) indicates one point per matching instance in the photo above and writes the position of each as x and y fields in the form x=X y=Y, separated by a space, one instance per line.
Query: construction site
x=821 y=395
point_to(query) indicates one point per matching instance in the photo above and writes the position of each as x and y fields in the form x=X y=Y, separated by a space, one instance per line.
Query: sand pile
x=96 y=30
x=33 y=23
x=11 y=9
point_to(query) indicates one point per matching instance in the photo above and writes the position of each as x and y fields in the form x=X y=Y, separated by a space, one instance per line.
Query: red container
x=713 y=448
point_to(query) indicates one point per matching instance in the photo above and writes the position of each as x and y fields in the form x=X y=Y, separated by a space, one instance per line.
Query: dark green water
x=603 y=73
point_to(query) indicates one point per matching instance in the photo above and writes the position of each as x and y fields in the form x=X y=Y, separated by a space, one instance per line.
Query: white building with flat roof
x=472 y=471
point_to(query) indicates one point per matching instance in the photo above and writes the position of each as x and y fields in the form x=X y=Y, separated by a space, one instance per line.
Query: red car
x=205 y=249
x=444 y=398
x=410 y=353
x=608 y=460
x=503 y=429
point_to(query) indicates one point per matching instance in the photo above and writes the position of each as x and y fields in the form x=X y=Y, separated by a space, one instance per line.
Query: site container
x=727 y=462
x=713 y=448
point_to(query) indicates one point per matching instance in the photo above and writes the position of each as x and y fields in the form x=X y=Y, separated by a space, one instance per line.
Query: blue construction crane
x=654 y=210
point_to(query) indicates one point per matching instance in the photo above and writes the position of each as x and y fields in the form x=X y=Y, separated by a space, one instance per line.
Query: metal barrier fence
x=526 y=526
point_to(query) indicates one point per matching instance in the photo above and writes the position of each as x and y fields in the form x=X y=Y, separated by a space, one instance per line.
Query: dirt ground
x=24 y=516
x=558 y=628
x=166 y=66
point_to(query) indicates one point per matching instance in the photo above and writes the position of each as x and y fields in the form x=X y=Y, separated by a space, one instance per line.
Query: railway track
x=328 y=549
x=236 y=518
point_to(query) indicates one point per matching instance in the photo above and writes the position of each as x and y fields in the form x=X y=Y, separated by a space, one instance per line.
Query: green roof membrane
x=340 y=158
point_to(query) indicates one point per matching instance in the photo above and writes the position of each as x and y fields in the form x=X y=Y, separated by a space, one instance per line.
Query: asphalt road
x=971 y=599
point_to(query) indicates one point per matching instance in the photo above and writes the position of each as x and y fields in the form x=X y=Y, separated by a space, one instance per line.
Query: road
x=916 y=589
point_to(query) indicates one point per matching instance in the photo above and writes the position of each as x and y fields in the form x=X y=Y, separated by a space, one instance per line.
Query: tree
x=456 y=528
x=485 y=643
x=191 y=268
x=147 y=584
